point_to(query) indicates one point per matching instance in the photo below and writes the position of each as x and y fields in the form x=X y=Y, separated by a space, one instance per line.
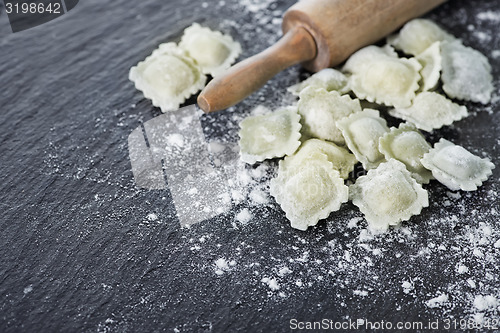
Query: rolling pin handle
x=296 y=46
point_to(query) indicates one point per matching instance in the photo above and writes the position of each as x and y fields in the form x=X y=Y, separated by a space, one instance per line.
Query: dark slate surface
x=78 y=254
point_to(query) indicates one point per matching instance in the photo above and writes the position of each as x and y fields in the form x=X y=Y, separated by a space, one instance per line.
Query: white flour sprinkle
x=485 y=302
x=244 y=216
x=271 y=283
x=437 y=301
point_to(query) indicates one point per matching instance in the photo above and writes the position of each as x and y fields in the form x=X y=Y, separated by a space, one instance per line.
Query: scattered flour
x=437 y=301
x=244 y=216
x=485 y=302
x=271 y=283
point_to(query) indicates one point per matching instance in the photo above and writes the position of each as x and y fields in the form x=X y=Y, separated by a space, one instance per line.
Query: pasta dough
x=328 y=78
x=309 y=193
x=417 y=35
x=388 y=195
x=407 y=145
x=378 y=75
x=342 y=160
x=268 y=136
x=430 y=60
x=457 y=168
x=167 y=77
x=466 y=73
x=320 y=109
x=430 y=111
x=213 y=51
x=362 y=131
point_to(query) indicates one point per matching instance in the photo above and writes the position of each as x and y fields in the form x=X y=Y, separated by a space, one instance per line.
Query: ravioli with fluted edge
x=213 y=51
x=388 y=195
x=167 y=77
x=328 y=79
x=417 y=35
x=430 y=111
x=310 y=192
x=430 y=60
x=379 y=76
x=342 y=160
x=362 y=131
x=466 y=73
x=457 y=168
x=271 y=135
x=407 y=145
x=320 y=109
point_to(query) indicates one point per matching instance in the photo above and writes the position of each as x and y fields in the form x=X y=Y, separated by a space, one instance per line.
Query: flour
x=485 y=302
x=437 y=301
x=244 y=216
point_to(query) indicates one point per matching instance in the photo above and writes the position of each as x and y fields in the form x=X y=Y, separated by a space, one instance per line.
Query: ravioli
x=320 y=110
x=430 y=111
x=457 y=168
x=268 y=136
x=430 y=60
x=379 y=76
x=342 y=160
x=167 y=77
x=213 y=51
x=407 y=145
x=309 y=193
x=466 y=73
x=328 y=79
x=362 y=132
x=417 y=35
x=388 y=195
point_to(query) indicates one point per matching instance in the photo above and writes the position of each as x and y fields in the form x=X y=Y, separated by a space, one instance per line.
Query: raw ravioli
x=466 y=73
x=328 y=78
x=342 y=160
x=320 y=110
x=362 y=131
x=457 y=168
x=430 y=60
x=213 y=51
x=167 y=77
x=380 y=76
x=268 y=136
x=417 y=35
x=407 y=145
x=430 y=111
x=310 y=193
x=388 y=195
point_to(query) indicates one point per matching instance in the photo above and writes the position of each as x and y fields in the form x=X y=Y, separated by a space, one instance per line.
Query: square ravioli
x=466 y=73
x=213 y=51
x=407 y=145
x=430 y=111
x=388 y=195
x=379 y=76
x=457 y=168
x=309 y=192
x=417 y=35
x=362 y=131
x=328 y=79
x=167 y=77
x=268 y=136
x=320 y=109
x=342 y=160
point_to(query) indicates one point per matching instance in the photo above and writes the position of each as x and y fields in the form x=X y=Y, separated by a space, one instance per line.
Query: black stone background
x=77 y=253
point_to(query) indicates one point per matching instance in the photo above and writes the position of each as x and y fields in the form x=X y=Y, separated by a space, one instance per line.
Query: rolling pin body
x=317 y=33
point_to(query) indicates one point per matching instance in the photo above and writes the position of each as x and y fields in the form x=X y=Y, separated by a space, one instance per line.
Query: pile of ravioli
x=173 y=73
x=336 y=124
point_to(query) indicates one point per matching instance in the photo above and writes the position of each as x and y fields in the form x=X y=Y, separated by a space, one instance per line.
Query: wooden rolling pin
x=317 y=33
